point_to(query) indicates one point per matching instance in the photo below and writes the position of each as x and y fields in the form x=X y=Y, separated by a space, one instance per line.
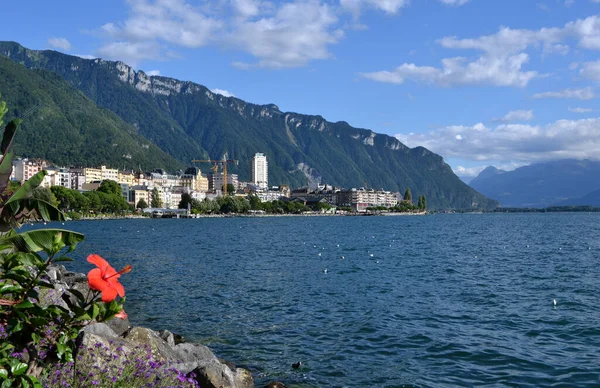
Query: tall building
x=260 y=170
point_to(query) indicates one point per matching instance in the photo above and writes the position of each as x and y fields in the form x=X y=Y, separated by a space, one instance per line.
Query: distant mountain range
x=187 y=121
x=561 y=183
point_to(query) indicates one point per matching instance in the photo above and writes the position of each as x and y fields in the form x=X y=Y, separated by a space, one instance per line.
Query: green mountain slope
x=67 y=128
x=189 y=121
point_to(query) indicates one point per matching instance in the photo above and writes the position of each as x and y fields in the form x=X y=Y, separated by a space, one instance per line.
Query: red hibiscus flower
x=105 y=279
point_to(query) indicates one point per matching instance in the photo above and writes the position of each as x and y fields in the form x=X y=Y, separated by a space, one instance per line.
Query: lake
x=431 y=301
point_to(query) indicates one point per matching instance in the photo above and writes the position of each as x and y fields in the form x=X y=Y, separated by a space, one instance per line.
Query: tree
x=424 y=203
x=155 y=200
x=408 y=195
x=186 y=199
x=45 y=194
x=141 y=204
x=230 y=189
x=110 y=187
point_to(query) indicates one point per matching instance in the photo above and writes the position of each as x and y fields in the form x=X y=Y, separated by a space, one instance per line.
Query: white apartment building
x=24 y=169
x=260 y=170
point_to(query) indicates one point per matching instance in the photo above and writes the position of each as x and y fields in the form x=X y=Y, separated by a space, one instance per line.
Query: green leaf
x=18 y=368
x=26 y=304
x=28 y=186
x=8 y=383
x=95 y=311
x=9 y=289
x=46 y=240
x=3 y=374
x=63 y=258
x=7 y=156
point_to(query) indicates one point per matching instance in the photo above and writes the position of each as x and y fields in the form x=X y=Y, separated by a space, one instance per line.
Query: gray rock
x=168 y=337
x=120 y=326
x=73 y=277
x=100 y=330
x=217 y=375
x=161 y=351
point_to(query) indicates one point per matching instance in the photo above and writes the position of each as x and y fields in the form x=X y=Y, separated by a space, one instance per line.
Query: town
x=158 y=190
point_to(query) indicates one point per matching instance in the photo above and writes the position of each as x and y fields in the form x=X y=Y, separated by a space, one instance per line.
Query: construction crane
x=215 y=168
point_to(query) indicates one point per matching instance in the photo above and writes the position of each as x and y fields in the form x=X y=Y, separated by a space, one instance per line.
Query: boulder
x=161 y=351
x=209 y=370
x=275 y=384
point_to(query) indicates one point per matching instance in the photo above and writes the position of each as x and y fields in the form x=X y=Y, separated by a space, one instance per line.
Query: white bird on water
x=319 y=253
x=371 y=255
x=325 y=270
x=554 y=302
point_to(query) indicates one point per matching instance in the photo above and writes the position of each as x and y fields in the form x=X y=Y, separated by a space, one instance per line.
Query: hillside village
x=138 y=185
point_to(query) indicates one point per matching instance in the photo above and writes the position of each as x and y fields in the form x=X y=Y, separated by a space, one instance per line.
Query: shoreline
x=193 y=216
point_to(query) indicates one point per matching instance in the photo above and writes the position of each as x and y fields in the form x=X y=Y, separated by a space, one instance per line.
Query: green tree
x=186 y=199
x=155 y=200
x=110 y=187
x=230 y=189
x=408 y=195
x=141 y=204
x=255 y=203
x=64 y=196
x=45 y=194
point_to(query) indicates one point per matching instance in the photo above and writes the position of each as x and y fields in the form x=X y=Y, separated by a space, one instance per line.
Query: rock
x=168 y=337
x=101 y=330
x=192 y=355
x=72 y=278
x=120 y=326
x=275 y=384
x=89 y=344
x=216 y=375
x=210 y=372
x=161 y=351
x=55 y=273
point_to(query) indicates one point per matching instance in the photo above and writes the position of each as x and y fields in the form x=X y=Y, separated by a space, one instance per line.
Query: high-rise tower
x=260 y=170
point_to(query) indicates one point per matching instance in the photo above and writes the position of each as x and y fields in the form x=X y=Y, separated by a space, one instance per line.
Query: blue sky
x=481 y=82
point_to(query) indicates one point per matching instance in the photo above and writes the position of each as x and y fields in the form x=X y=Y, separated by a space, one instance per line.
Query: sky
x=480 y=82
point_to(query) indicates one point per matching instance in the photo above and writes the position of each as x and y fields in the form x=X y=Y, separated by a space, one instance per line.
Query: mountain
x=485 y=174
x=64 y=126
x=542 y=184
x=188 y=121
x=590 y=199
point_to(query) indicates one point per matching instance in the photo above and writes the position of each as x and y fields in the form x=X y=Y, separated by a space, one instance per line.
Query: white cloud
x=130 y=52
x=590 y=70
x=60 y=43
x=468 y=172
x=580 y=110
x=522 y=143
x=296 y=34
x=503 y=56
x=222 y=92
x=518 y=115
x=173 y=21
x=580 y=94
x=152 y=72
x=487 y=70
x=277 y=35
x=387 y=6
x=85 y=56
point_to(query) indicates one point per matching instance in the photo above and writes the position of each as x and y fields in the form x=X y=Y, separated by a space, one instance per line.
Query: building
x=24 y=169
x=360 y=199
x=260 y=170
x=194 y=180
x=100 y=174
x=215 y=181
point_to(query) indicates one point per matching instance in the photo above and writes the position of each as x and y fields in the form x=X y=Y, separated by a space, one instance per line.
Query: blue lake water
x=433 y=301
